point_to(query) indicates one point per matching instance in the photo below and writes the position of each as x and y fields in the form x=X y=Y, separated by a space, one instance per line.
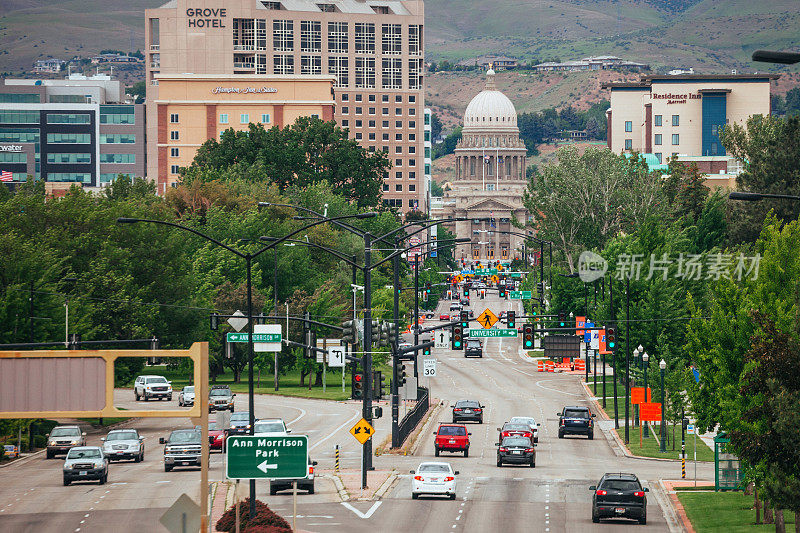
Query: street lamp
x=645 y=361
x=663 y=366
x=756 y=196
x=636 y=352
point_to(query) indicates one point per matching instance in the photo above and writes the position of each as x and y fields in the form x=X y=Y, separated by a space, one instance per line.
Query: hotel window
x=415 y=39
x=345 y=123
x=173 y=169
x=223 y=118
x=384 y=110
x=427 y=151
x=398 y=162
x=359 y=123
x=345 y=110
x=68 y=158
x=310 y=36
x=398 y=136
x=365 y=38
x=657 y=139
x=412 y=124
x=119 y=159
x=385 y=136
x=371 y=123
x=359 y=98
x=359 y=136
x=244 y=34
x=25 y=98
x=337 y=37
x=68 y=138
x=345 y=98
x=265 y=118
x=117 y=138
x=244 y=118
x=283 y=64
x=391 y=39
x=261 y=34
x=385 y=98
x=359 y=110
x=69 y=176
x=427 y=136
x=412 y=136
x=174 y=135
x=365 y=73
x=628 y=126
x=412 y=162
x=398 y=187
x=398 y=99
x=385 y=124
x=414 y=75
x=412 y=149
x=372 y=98
x=385 y=187
x=657 y=120
x=371 y=136
x=412 y=176
x=398 y=149
x=13 y=157
x=398 y=175
x=412 y=187
x=174 y=152
x=283 y=37
x=676 y=139
x=392 y=73
x=173 y=118
x=371 y=111
x=658 y=156
x=398 y=123
x=629 y=144
x=63 y=118
x=117 y=114
x=676 y=120
x=398 y=111
x=385 y=149
x=337 y=66
x=310 y=64
x=412 y=111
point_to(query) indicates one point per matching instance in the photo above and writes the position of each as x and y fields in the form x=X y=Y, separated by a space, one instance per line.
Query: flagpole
x=483 y=166
x=497 y=162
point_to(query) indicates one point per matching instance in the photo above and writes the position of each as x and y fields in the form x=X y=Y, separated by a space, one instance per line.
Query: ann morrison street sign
x=251 y=457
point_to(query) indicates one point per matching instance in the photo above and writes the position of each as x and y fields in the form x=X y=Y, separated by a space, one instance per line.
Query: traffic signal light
x=466 y=292
x=611 y=338
x=527 y=336
x=428 y=287
x=377 y=387
x=511 y=319
x=463 y=316
x=358 y=385
x=215 y=321
x=502 y=291
x=457 y=337
x=562 y=319
x=384 y=338
x=426 y=350
x=401 y=375
x=376 y=331
x=349 y=332
x=391 y=329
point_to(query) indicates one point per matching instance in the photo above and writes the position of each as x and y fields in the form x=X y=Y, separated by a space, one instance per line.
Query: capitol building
x=490 y=179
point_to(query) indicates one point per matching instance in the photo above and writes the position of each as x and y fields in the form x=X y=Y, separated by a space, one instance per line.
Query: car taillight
x=458 y=409
x=418 y=478
x=601 y=492
x=529 y=450
x=310 y=469
x=639 y=494
x=503 y=449
x=477 y=410
x=449 y=478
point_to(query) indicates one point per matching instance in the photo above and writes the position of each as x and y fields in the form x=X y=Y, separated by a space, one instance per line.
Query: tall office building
x=373 y=48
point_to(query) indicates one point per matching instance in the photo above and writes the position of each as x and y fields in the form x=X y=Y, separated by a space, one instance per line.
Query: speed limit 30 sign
x=429 y=367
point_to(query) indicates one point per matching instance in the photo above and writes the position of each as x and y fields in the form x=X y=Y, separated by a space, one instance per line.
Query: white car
x=270 y=427
x=147 y=387
x=186 y=396
x=528 y=421
x=434 y=478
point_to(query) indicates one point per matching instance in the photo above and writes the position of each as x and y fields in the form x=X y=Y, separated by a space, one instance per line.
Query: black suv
x=575 y=421
x=619 y=496
x=473 y=348
x=516 y=450
x=467 y=410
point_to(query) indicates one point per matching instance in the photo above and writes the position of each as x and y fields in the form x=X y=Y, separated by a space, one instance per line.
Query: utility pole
x=613 y=355
x=416 y=311
x=627 y=355
x=367 y=356
x=395 y=392
x=30 y=312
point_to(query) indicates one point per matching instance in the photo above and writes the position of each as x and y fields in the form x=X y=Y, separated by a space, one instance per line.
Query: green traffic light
x=612 y=344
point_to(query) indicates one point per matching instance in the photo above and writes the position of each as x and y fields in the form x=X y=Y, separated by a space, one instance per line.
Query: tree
x=436 y=126
x=448 y=146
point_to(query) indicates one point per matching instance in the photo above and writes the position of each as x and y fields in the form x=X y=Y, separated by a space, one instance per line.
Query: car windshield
x=184 y=437
x=122 y=435
x=240 y=417
x=269 y=427
x=452 y=431
x=516 y=427
x=220 y=392
x=516 y=441
x=83 y=454
x=189 y=389
x=156 y=380
x=440 y=469
x=474 y=344
x=521 y=420
x=576 y=413
x=65 y=432
x=620 y=484
x=467 y=403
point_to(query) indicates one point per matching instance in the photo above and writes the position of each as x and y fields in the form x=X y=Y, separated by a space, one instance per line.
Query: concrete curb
x=384 y=488
x=431 y=416
x=337 y=482
x=23 y=460
x=672 y=515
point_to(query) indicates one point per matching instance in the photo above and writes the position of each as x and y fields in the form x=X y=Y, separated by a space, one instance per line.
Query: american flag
x=6 y=175
x=486 y=159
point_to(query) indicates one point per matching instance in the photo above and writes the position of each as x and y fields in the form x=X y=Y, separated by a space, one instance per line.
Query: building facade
x=191 y=109
x=76 y=130
x=490 y=179
x=681 y=115
x=374 y=48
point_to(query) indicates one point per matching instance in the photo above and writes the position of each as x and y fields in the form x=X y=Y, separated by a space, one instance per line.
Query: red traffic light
x=358 y=377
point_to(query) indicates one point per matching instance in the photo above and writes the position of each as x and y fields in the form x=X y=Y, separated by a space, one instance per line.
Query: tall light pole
x=663 y=366
x=646 y=361
x=248 y=257
x=627 y=357
x=636 y=352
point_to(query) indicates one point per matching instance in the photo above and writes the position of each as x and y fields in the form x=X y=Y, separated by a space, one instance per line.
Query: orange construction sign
x=637 y=395
x=650 y=412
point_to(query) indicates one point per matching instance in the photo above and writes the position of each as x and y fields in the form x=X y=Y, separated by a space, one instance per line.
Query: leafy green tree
x=448 y=146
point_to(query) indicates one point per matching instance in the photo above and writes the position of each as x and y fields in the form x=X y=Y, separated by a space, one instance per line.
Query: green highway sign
x=251 y=457
x=473 y=333
x=520 y=295
x=485 y=271
x=257 y=337
x=516 y=274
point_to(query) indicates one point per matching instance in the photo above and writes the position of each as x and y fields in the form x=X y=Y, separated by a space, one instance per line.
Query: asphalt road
x=553 y=497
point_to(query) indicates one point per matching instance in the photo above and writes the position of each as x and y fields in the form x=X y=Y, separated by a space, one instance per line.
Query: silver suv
x=63 y=438
x=85 y=462
x=182 y=448
x=123 y=444
x=220 y=398
x=147 y=387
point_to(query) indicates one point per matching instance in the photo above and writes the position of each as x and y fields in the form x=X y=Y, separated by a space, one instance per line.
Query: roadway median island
x=725 y=512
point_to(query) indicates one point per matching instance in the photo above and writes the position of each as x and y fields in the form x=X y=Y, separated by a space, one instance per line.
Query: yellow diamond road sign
x=487 y=319
x=495 y=279
x=362 y=431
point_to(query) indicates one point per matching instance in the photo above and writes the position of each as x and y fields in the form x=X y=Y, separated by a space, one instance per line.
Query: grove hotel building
x=372 y=48
x=681 y=115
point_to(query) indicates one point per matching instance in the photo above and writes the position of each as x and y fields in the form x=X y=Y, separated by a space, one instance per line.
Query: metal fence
x=412 y=418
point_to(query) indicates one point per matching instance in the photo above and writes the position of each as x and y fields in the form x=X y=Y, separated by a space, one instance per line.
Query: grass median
x=725 y=512
x=651 y=445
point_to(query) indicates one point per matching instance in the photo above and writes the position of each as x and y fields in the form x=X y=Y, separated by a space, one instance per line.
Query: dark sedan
x=465 y=410
x=619 y=496
x=516 y=450
x=239 y=424
x=514 y=430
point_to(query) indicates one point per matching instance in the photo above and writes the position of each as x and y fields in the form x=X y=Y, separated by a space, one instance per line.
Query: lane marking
x=358 y=513
x=356 y=415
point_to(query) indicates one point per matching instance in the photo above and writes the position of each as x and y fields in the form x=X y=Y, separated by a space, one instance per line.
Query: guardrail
x=412 y=418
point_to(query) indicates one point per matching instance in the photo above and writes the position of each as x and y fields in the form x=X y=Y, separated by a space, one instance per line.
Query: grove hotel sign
x=676 y=98
x=243 y=90
x=206 y=17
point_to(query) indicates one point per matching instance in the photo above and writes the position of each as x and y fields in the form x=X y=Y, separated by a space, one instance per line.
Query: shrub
x=39 y=441
x=265 y=521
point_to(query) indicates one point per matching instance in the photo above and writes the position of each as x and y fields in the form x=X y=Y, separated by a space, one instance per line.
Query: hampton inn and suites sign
x=243 y=90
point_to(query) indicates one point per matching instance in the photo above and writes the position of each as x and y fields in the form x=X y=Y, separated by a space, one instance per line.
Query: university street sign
x=257 y=337
x=251 y=457
x=475 y=333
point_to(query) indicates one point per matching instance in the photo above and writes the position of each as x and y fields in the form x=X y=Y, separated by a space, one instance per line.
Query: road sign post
x=251 y=457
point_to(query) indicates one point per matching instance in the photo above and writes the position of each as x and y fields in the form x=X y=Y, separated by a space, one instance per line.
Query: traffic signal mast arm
x=408 y=349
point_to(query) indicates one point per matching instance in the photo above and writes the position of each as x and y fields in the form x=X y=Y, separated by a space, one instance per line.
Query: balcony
x=244 y=66
x=244 y=47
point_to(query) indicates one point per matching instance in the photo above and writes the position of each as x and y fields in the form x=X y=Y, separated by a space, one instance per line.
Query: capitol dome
x=490 y=110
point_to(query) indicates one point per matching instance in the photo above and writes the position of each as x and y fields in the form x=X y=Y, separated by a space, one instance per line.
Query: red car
x=444 y=316
x=451 y=438
x=216 y=437
x=515 y=430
